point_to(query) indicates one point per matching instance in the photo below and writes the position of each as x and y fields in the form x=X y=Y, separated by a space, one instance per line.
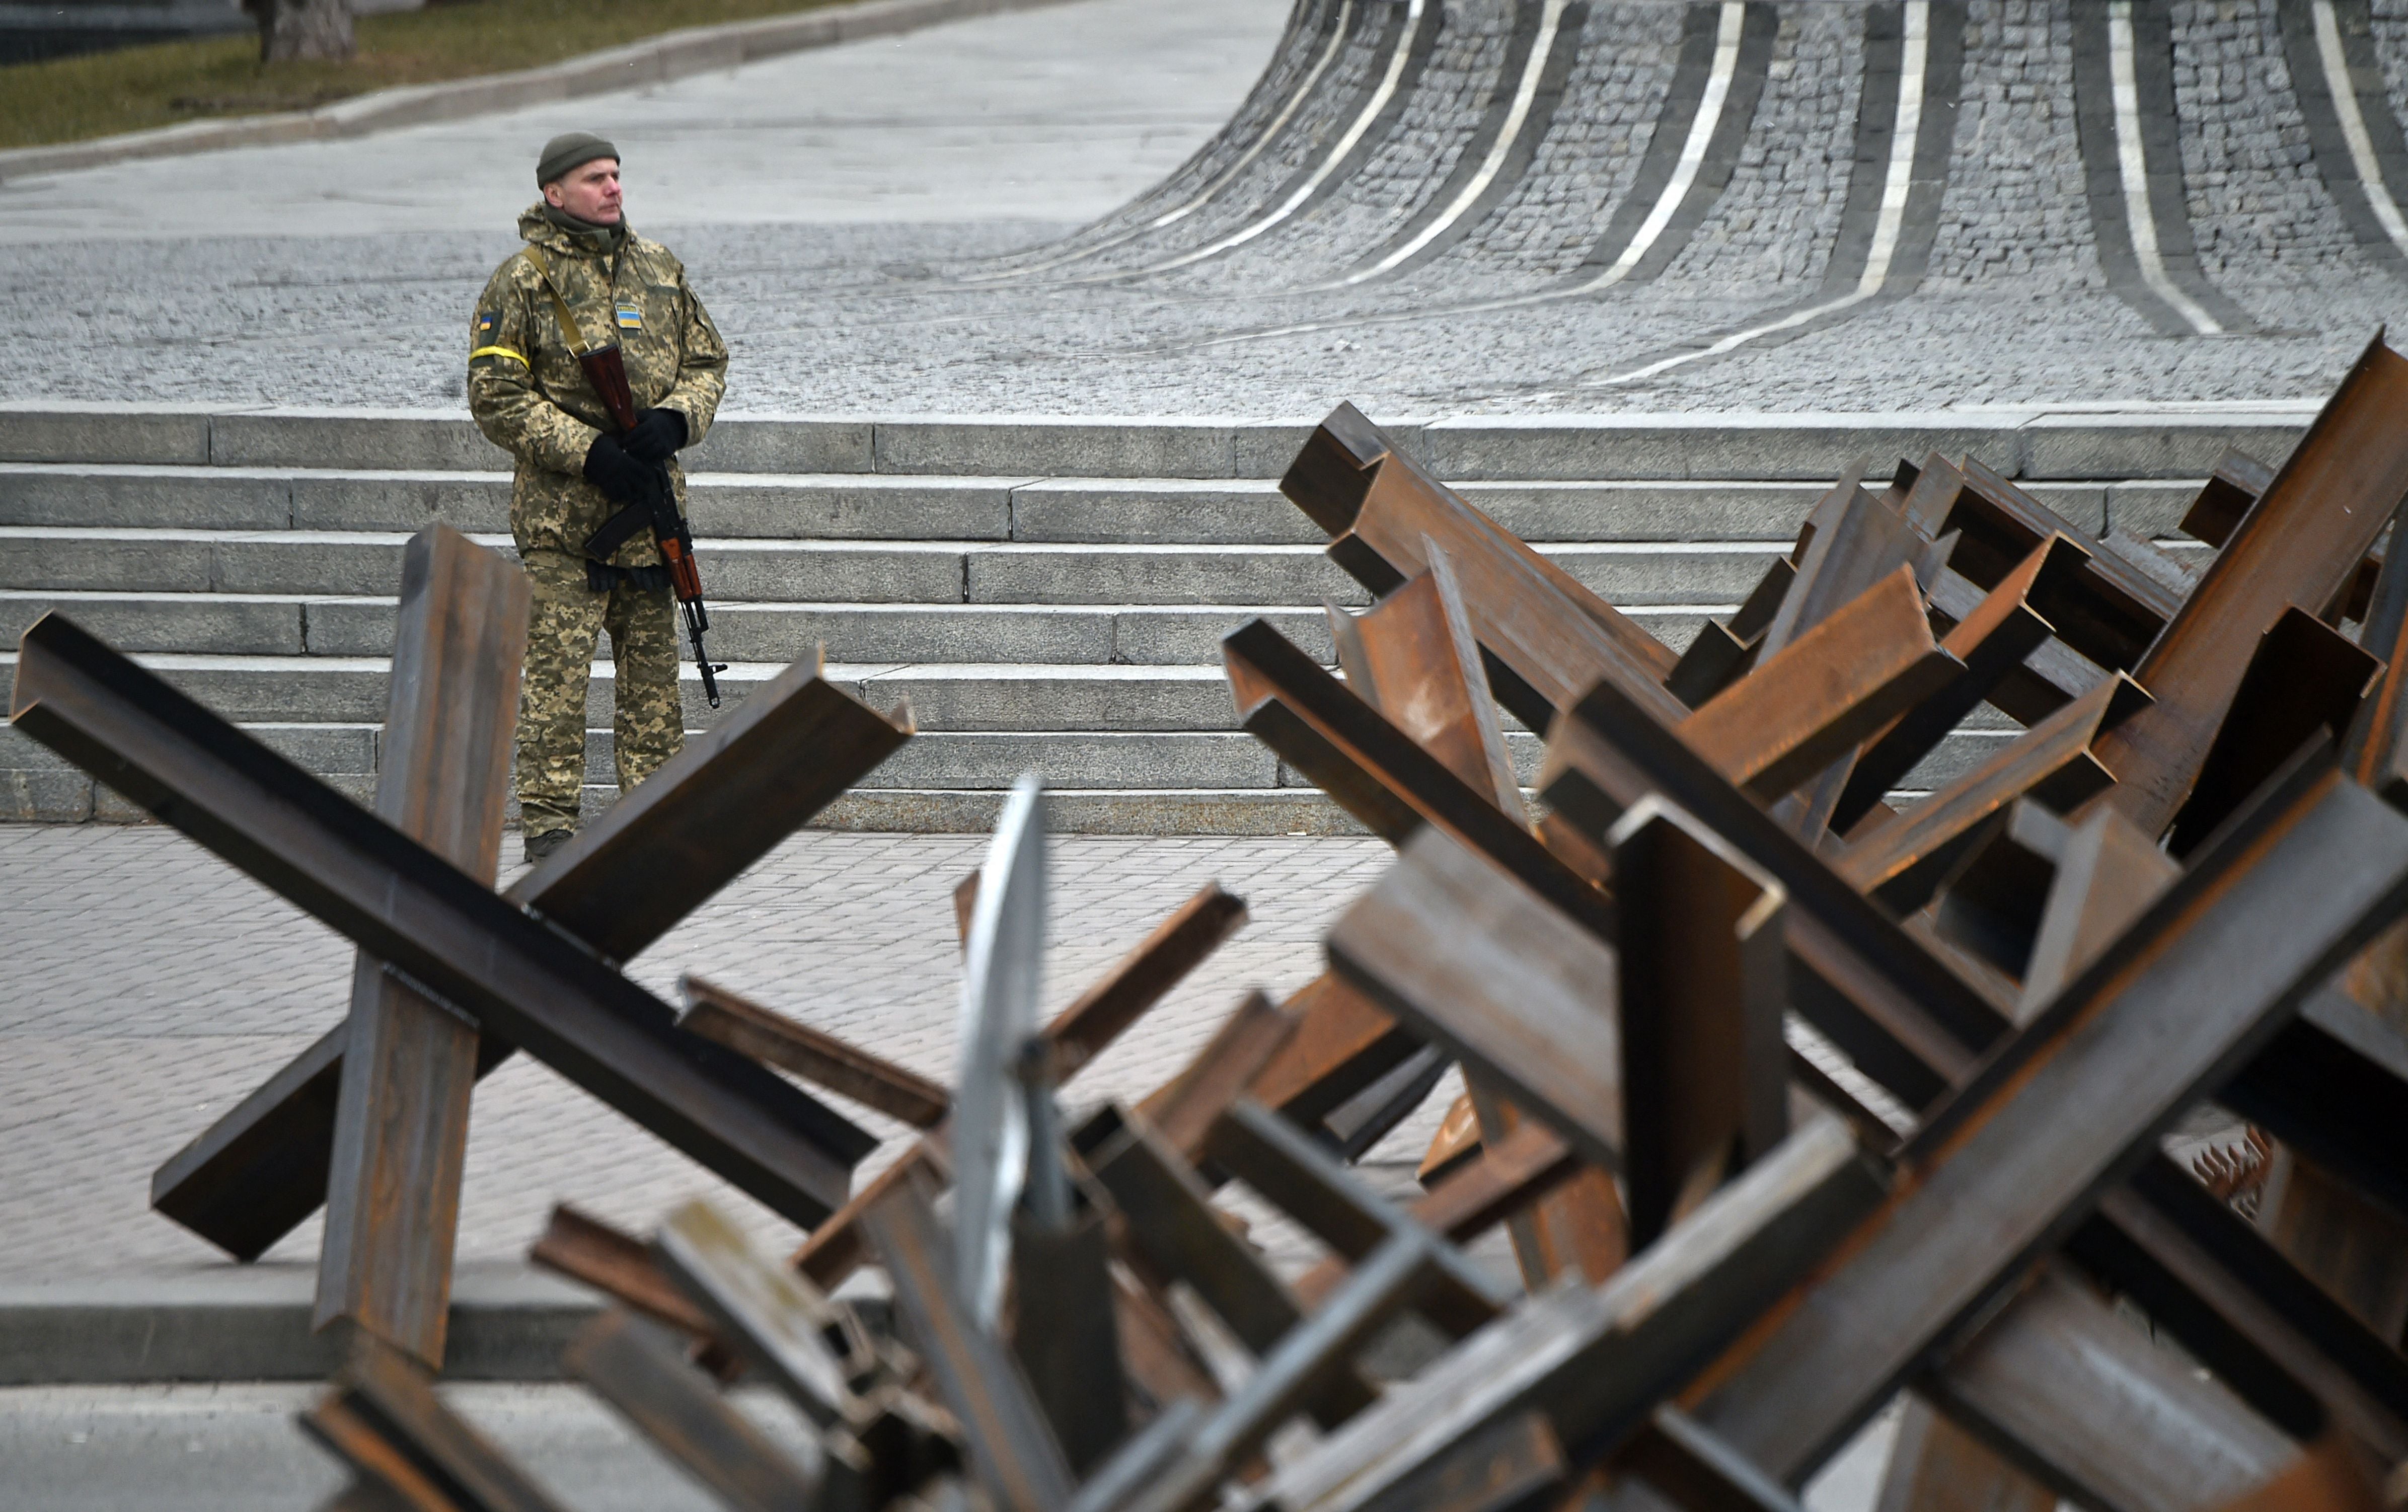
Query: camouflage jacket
x=530 y=396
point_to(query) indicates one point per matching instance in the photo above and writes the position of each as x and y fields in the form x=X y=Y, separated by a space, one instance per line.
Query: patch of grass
x=135 y=89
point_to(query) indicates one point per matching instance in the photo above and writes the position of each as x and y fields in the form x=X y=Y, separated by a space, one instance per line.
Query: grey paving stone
x=1157 y=575
x=862 y=506
x=1079 y=758
x=1636 y=573
x=233 y=1448
x=477 y=502
x=913 y=631
x=313 y=436
x=57 y=559
x=1067 y=447
x=39 y=797
x=2106 y=447
x=1646 y=511
x=294 y=563
x=1164 y=511
x=841 y=571
x=1756 y=446
x=1052 y=698
x=219 y=623
x=784 y=444
x=78 y=493
x=46 y=430
x=354 y=626
x=2150 y=510
x=1089 y=811
x=1171 y=636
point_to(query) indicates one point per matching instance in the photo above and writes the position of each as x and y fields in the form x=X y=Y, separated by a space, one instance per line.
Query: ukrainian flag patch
x=486 y=320
x=630 y=318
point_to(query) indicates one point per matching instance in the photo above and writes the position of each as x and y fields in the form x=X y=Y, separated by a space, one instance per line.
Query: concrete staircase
x=1046 y=593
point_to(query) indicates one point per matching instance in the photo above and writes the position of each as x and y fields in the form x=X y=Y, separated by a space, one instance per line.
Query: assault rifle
x=607 y=370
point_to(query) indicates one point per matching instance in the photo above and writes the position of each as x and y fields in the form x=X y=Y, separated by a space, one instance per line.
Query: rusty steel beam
x=1698 y=993
x=2053 y=764
x=2298 y=545
x=619 y=1266
x=2304 y=680
x=1991 y=643
x=383 y=1418
x=630 y=1365
x=2065 y=1111
x=1076 y=1036
x=2096 y=1410
x=1842 y=681
x=1378 y=773
x=1500 y=1180
x=1183 y=1109
x=771 y=763
x=1905 y=1016
x=1596 y=1361
x=1547 y=637
x=1176 y=1235
x=1412 y=657
x=1478 y=963
x=2112 y=611
x=401 y=1126
x=2227 y=496
x=531 y=985
x=1011 y=1449
x=1852 y=540
x=1343 y=1044
x=822 y=1058
x=1328 y=1201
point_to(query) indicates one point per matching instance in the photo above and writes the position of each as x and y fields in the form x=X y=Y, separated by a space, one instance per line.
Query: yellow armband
x=500 y=351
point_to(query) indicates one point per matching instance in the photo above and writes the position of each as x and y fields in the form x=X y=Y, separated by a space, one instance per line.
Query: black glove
x=621 y=478
x=658 y=434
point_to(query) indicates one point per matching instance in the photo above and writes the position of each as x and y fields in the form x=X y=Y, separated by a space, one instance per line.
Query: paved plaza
x=837 y=210
x=152 y=986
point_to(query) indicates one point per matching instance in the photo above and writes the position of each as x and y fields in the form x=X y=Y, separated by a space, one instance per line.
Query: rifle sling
x=542 y=267
x=616 y=530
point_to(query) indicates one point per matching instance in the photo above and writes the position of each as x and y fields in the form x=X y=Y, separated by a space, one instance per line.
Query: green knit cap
x=567 y=151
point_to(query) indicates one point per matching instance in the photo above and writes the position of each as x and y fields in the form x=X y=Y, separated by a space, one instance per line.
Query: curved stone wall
x=1727 y=176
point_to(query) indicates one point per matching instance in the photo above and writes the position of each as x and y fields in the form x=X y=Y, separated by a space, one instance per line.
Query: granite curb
x=508 y=1323
x=654 y=60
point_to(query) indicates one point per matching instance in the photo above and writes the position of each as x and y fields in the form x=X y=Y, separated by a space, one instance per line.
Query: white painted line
x=1692 y=151
x=1711 y=101
x=2353 y=126
x=1219 y=181
x=1896 y=185
x=1524 y=92
x=1330 y=164
x=2132 y=167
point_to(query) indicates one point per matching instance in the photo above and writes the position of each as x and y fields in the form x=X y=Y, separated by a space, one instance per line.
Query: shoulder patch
x=486 y=320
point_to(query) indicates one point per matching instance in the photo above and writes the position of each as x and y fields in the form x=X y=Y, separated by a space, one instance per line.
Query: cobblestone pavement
x=829 y=205
x=151 y=986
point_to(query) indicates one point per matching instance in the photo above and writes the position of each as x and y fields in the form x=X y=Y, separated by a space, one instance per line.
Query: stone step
x=289 y=624
x=2137 y=441
x=367 y=562
x=857 y=507
x=980 y=726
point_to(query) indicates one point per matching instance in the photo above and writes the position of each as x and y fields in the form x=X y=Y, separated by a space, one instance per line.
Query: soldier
x=530 y=396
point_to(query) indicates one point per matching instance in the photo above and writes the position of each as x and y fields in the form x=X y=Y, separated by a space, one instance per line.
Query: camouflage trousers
x=647 y=721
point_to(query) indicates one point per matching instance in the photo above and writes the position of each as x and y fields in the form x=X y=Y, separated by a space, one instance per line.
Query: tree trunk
x=319 y=29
